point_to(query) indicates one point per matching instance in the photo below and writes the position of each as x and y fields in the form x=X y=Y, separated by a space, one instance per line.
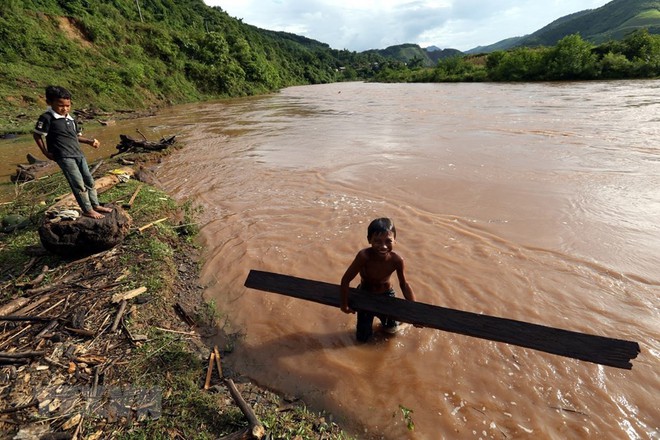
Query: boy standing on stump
x=62 y=144
x=375 y=266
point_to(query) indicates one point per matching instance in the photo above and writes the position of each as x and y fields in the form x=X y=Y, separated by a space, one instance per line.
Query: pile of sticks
x=68 y=329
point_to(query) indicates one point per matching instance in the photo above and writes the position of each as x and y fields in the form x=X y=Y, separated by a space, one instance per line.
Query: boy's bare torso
x=377 y=270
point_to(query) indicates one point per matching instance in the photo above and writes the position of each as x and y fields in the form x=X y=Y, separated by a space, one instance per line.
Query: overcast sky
x=359 y=25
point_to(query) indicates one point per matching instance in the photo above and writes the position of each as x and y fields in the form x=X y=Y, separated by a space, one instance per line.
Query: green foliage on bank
x=636 y=56
x=136 y=54
x=613 y=21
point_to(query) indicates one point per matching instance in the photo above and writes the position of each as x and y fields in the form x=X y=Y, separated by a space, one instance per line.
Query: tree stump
x=84 y=235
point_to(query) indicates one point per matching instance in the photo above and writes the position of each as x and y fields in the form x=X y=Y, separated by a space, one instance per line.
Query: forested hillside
x=136 y=54
x=122 y=54
x=414 y=55
x=612 y=21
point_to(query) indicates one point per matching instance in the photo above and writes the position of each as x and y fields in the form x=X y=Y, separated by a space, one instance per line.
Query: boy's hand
x=95 y=143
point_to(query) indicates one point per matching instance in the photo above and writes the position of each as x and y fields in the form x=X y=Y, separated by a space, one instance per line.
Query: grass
x=170 y=365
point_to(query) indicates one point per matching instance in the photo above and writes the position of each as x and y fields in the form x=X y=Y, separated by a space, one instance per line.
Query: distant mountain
x=612 y=21
x=414 y=54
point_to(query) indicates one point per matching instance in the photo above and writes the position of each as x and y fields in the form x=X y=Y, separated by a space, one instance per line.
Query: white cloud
x=375 y=24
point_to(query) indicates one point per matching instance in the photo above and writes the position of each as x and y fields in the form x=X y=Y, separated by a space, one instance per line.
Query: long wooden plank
x=587 y=347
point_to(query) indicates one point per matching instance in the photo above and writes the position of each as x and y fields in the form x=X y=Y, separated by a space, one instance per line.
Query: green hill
x=414 y=55
x=137 y=54
x=612 y=21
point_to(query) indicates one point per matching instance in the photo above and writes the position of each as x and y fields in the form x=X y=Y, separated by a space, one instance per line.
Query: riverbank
x=78 y=368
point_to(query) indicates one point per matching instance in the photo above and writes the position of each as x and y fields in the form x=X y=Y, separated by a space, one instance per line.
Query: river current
x=536 y=202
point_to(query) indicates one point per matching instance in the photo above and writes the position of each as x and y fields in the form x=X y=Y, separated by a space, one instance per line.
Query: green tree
x=615 y=66
x=521 y=64
x=571 y=58
x=643 y=50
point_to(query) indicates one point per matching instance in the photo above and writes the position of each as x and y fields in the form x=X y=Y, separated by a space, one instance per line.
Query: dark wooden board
x=587 y=347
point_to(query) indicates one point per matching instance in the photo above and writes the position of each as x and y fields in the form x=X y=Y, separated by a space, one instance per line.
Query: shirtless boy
x=375 y=266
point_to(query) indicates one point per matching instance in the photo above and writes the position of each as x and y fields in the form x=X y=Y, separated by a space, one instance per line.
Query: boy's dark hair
x=56 y=92
x=380 y=226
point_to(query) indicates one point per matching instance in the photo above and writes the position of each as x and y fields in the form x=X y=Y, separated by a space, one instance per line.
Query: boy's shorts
x=365 y=320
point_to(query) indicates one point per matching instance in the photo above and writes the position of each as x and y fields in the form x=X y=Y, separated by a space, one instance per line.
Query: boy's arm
x=352 y=271
x=405 y=287
x=39 y=140
x=403 y=283
x=93 y=142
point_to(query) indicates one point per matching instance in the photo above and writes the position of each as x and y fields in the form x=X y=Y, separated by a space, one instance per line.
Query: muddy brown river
x=536 y=202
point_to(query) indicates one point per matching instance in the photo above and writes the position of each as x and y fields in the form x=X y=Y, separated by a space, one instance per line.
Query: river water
x=537 y=202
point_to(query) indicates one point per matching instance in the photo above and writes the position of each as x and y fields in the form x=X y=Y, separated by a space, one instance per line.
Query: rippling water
x=537 y=202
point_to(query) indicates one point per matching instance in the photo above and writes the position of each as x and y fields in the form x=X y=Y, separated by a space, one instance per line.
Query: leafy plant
x=407 y=417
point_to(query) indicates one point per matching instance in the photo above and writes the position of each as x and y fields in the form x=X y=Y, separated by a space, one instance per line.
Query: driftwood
x=209 y=371
x=18 y=408
x=124 y=296
x=13 y=305
x=19 y=358
x=120 y=313
x=23 y=354
x=101 y=184
x=81 y=331
x=23 y=318
x=46 y=330
x=35 y=281
x=38 y=168
x=591 y=348
x=217 y=361
x=34 y=169
x=129 y=145
x=84 y=235
x=256 y=428
x=148 y=225
x=129 y=205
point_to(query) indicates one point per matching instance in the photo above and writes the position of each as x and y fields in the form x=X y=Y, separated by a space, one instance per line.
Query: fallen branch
x=23 y=354
x=175 y=331
x=26 y=318
x=81 y=331
x=209 y=371
x=132 y=199
x=51 y=286
x=35 y=402
x=12 y=306
x=256 y=428
x=28 y=308
x=125 y=296
x=8 y=360
x=120 y=313
x=148 y=225
x=51 y=325
x=35 y=281
x=96 y=167
x=217 y=361
x=101 y=184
